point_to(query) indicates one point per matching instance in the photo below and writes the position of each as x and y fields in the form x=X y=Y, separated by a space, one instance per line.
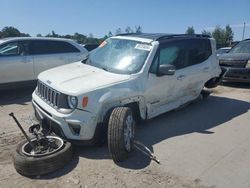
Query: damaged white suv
x=127 y=78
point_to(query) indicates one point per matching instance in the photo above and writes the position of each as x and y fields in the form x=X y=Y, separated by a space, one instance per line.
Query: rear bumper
x=237 y=75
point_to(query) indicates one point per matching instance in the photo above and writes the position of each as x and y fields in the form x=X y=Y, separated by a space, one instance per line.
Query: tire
x=33 y=166
x=213 y=82
x=116 y=128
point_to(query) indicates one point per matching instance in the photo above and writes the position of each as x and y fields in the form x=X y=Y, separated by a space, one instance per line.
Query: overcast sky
x=100 y=17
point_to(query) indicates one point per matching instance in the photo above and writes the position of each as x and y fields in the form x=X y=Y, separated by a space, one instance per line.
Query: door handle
x=181 y=77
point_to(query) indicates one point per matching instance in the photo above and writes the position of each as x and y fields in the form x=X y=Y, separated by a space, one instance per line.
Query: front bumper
x=78 y=125
x=237 y=75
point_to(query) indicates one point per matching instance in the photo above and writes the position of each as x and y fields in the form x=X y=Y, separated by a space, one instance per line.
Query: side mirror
x=166 y=70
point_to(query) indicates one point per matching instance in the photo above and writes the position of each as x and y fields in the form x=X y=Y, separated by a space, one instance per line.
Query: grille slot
x=48 y=94
x=233 y=63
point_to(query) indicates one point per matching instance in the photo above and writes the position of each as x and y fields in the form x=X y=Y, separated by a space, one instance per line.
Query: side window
x=10 y=49
x=39 y=47
x=66 y=47
x=51 y=47
x=171 y=53
x=198 y=50
x=24 y=47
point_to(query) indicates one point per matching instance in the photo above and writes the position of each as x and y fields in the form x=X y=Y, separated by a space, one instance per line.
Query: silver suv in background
x=23 y=58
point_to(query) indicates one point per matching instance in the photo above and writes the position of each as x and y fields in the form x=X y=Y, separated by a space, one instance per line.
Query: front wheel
x=121 y=128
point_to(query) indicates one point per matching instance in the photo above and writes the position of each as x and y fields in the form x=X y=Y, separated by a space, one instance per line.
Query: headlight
x=72 y=102
x=248 y=64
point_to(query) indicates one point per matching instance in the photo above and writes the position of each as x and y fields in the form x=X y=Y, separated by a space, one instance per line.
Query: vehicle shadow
x=198 y=117
x=16 y=96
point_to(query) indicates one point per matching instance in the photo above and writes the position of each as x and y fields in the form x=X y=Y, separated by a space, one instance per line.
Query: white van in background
x=23 y=58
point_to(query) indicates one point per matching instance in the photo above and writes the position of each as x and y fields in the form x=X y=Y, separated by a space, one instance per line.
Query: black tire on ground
x=116 y=127
x=213 y=82
x=33 y=166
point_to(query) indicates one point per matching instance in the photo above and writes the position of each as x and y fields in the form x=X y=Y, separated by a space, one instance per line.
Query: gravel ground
x=92 y=166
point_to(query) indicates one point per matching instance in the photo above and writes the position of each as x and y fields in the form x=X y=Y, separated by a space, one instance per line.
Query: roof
x=160 y=36
x=33 y=38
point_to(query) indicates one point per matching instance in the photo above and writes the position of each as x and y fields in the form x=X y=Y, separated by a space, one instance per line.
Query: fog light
x=75 y=129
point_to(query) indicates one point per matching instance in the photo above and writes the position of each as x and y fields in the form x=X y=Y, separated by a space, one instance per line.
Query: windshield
x=222 y=51
x=242 y=47
x=120 y=56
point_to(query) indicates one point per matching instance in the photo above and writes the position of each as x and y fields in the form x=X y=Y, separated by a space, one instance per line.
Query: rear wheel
x=214 y=82
x=121 y=128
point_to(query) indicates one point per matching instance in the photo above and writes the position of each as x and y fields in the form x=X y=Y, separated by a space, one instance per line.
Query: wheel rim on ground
x=128 y=132
x=29 y=151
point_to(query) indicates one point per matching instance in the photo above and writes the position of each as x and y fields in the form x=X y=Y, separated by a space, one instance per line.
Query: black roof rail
x=161 y=36
x=182 y=35
x=125 y=34
x=246 y=39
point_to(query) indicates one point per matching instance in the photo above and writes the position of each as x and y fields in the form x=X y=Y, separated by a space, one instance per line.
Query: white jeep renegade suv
x=128 y=77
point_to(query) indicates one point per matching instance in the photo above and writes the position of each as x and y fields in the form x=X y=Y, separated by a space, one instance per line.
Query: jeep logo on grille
x=49 y=82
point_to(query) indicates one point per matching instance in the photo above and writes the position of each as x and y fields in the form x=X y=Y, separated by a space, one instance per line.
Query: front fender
x=113 y=99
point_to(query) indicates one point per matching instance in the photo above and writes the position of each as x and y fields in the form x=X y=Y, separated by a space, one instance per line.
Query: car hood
x=235 y=56
x=78 y=78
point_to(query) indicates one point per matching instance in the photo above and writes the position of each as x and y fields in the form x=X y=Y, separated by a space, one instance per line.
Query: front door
x=47 y=54
x=163 y=93
x=15 y=63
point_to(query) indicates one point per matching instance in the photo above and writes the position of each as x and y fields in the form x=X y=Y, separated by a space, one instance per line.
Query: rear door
x=49 y=54
x=16 y=65
x=197 y=71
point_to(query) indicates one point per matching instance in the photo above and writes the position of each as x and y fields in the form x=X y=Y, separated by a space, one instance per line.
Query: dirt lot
x=205 y=144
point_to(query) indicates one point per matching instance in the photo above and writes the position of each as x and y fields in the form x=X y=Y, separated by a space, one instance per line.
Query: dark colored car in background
x=237 y=62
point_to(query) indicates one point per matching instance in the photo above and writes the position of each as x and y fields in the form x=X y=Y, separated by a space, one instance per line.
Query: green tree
x=223 y=37
x=110 y=34
x=138 y=29
x=190 y=30
x=229 y=35
x=80 y=38
x=128 y=30
x=205 y=32
x=10 y=32
x=118 y=31
x=39 y=35
x=219 y=35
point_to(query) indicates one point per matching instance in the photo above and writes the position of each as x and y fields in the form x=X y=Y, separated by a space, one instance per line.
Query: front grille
x=48 y=94
x=233 y=63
